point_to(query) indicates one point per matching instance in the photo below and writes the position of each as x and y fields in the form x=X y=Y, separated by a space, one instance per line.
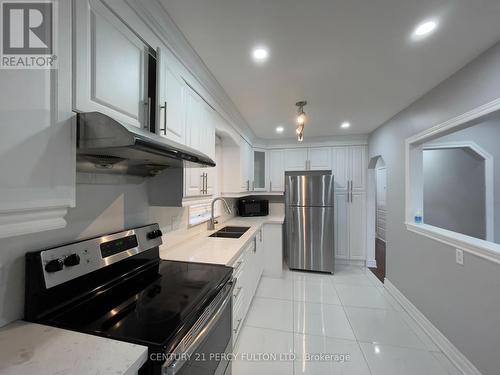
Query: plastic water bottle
x=418 y=217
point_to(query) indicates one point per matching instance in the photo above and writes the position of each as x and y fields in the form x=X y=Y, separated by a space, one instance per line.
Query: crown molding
x=340 y=140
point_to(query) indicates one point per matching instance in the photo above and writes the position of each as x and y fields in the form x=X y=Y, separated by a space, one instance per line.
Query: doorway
x=378 y=214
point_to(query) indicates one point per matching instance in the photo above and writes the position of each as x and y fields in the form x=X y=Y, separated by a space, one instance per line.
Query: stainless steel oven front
x=207 y=348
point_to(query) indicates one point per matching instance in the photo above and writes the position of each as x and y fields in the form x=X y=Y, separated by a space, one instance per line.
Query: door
x=194 y=178
x=341 y=225
x=310 y=189
x=109 y=65
x=172 y=124
x=340 y=167
x=276 y=171
x=295 y=160
x=357 y=227
x=311 y=238
x=319 y=158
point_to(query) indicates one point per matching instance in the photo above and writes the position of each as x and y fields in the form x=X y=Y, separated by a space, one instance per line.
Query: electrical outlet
x=459 y=257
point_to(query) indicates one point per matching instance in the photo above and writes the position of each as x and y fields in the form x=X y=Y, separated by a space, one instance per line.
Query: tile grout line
x=355 y=336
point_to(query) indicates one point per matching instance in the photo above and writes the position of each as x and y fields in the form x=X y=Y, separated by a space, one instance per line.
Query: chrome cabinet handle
x=270 y=186
x=255 y=244
x=202 y=187
x=206 y=184
x=253 y=185
x=238 y=265
x=237 y=326
x=147 y=106
x=260 y=233
x=164 y=129
x=238 y=292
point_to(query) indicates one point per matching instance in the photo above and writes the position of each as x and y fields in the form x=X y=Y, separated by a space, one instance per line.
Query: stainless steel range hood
x=108 y=146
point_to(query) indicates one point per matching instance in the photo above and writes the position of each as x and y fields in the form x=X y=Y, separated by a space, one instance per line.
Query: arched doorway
x=377 y=216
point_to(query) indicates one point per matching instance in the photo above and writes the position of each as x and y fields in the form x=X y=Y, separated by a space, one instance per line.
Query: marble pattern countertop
x=29 y=348
x=204 y=249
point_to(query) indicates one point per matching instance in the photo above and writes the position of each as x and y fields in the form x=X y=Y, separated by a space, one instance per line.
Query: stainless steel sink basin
x=230 y=232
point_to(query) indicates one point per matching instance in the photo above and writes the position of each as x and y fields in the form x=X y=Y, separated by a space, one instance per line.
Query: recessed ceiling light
x=280 y=129
x=345 y=125
x=260 y=54
x=424 y=29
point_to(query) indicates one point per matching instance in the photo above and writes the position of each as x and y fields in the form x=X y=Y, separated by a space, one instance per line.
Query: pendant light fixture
x=301 y=120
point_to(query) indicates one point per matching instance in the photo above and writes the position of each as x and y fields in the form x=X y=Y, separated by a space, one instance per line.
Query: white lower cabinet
x=247 y=271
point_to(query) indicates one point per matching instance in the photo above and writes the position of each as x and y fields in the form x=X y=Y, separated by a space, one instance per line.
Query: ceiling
x=352 y=60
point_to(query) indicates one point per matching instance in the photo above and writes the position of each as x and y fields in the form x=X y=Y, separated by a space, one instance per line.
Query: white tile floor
x=348 y=316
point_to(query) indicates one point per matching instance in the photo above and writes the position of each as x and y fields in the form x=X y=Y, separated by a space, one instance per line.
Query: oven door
x=207 y=347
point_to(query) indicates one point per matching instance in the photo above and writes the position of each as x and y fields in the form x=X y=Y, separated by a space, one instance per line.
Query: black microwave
x=253 y=207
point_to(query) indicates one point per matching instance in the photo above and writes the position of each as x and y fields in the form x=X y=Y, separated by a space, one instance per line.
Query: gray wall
x=463 y=302
x=487 y=136
x=454 y=191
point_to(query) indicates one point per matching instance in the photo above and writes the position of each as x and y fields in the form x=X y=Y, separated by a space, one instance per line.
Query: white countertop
x=204 y=249
x=28 y=348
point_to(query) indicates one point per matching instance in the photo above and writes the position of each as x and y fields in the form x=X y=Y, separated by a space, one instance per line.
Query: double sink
x=230 y=232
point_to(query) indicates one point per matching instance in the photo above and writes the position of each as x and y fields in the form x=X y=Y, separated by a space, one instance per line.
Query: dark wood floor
x=380 y=259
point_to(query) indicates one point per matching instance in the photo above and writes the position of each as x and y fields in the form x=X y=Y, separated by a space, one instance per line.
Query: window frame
x=414 y=185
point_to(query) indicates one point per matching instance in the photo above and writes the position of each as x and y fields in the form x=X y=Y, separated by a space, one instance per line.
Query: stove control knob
x=72 y=260
x=54 y=265
x=155 y=234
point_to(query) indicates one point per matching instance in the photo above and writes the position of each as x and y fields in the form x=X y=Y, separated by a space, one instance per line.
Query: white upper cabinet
x=37 y=145
x=358 y=167
x=200 y=132
x=172 y=119
x=349 y=166
x=276 y=170
x=246 y=166
x=340 y=168
x=302 y=159
x=260 y=169
x=319 y=158
x=296 y=159
x=109 y=65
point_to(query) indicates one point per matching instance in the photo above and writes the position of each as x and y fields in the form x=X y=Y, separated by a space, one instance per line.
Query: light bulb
x=301 y=118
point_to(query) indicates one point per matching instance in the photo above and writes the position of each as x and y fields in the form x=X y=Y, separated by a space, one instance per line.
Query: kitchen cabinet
x=259 y=170
x=172 y=109
x=37 y=145
x=350 y=225
x=296 y=159
x=358 y=167
x=110 y=65
x=319 y=158
x=247 y=270
x=302 y=159
x=276 y=170
x=340 y=170
x=246 y=166
x=200 y=135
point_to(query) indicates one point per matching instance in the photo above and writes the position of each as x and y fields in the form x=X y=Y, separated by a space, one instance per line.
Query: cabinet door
x=193 y=177
x=245 y=156
x=276 y=171
x=357 y=226
x=340 y=156
x=259 y=170
x=358 y=165
x=341 y=225
x=295 y=160
x=319 y=158
x=172 y=120
x=109 y=65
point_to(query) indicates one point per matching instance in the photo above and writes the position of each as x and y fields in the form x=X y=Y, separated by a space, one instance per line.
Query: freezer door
x=309 y=190
x=310 y=238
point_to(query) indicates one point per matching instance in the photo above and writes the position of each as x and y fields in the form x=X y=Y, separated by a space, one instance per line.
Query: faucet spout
x=212 y=221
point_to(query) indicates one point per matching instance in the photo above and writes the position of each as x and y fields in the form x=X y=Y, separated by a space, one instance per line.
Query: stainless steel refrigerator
x=309 y=217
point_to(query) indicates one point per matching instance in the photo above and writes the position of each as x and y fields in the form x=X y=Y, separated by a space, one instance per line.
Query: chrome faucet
x=212 y=221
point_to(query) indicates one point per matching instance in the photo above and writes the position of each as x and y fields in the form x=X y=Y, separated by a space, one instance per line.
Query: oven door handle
x=202 y=328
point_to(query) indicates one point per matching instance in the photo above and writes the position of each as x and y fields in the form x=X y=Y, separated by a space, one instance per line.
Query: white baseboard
x=371 y=263
x=448 y=349
x=349 y=262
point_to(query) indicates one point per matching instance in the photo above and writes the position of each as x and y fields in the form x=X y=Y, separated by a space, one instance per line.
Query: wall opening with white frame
x=477 y=134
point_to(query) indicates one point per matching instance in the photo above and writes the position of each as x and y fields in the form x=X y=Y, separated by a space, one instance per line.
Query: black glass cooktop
x=151 y=308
